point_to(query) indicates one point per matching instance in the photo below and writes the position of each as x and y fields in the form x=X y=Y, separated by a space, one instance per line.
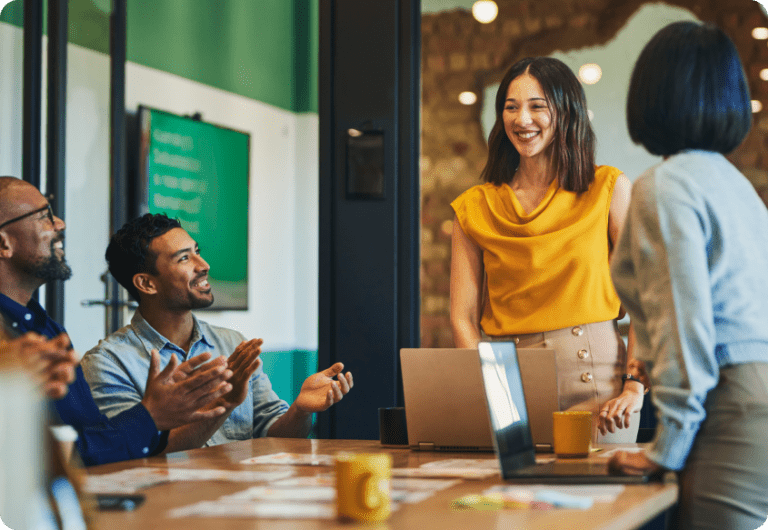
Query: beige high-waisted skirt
x=590 y=359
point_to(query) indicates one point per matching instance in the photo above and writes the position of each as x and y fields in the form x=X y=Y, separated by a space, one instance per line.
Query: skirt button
x=517 y=340
x=586 y=377
x=583 y=354
x=577 y=331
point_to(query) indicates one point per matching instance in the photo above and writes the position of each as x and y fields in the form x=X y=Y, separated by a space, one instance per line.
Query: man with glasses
x=31 y=254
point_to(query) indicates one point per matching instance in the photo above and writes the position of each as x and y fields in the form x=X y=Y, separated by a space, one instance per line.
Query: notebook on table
x=510 y=426
x=445 y=402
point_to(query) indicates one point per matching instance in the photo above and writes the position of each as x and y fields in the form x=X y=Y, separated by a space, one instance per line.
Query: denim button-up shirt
x=117 y=369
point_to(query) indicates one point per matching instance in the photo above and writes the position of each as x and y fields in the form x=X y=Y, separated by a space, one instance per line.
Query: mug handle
x=368 y=494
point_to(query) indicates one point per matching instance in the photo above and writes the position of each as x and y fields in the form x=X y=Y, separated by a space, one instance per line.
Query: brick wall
x=461 y=54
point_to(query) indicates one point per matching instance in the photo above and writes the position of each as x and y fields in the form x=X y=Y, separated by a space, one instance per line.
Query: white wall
x=306 y=257
x=283 y=223
x=10 y=100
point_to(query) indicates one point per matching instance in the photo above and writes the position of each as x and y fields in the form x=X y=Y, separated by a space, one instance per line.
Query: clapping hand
x=179 y=393
x=51 y=362
x=243 y=362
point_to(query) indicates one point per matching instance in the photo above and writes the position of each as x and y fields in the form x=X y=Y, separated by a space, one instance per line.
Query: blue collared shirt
x=131 y=434
x=117 y=371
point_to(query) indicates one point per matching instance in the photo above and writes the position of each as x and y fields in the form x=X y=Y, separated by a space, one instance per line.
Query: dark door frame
x=369 y=248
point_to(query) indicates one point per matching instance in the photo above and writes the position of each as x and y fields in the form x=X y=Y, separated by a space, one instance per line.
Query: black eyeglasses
x=33 y=212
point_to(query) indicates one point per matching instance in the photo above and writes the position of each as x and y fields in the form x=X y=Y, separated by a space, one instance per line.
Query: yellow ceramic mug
x=572 y=433
x=362 y=486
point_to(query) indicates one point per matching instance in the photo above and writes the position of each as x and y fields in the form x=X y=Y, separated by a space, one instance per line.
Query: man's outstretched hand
x=179 y=394
x=317 y=394
x=321 y=390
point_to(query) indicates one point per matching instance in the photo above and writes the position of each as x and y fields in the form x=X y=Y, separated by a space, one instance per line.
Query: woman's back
x=702 y=201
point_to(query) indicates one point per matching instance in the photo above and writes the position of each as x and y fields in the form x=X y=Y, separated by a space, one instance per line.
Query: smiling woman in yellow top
x=529 y=259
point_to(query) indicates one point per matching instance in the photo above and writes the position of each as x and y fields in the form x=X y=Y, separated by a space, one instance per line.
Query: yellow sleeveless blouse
x=547 y=269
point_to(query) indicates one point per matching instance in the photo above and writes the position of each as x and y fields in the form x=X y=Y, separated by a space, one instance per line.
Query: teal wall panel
x=287 y=370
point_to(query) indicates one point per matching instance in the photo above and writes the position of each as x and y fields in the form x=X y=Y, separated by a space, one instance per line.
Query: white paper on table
x=608 y=454
x=422 y=472
x=324 y=479
x=464 y=463
x=410 y=497
x=267 y=510
x=228 y=476
x=106 y=486
x=126 y=481
x=597 y=492
x=297 y=494
x=132 y=480
x=423 y=484
x=294 y=459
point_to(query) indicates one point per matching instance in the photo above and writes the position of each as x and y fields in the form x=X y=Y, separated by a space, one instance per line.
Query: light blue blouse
x=691 y=268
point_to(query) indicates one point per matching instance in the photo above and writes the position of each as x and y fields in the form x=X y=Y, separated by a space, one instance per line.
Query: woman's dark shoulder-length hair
x=688 y=91
x=574 y=140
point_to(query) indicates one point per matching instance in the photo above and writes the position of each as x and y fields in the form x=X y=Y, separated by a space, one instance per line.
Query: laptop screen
x=506 y=403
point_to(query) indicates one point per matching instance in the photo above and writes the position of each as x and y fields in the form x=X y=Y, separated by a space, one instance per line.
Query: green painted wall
x=265 y=50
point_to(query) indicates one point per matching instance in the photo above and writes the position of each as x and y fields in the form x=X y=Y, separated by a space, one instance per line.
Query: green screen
x=198 y=172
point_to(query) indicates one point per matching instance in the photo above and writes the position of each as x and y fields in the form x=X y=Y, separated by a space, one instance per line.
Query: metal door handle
x=110 y=303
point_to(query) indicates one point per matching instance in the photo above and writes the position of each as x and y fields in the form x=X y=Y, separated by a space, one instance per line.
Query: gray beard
x=52 y=268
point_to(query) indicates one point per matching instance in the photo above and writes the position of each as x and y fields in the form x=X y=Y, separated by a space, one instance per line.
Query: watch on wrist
x=630 y=377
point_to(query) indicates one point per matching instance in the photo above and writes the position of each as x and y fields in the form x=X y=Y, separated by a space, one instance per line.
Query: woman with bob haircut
x=530 y=249
x=690 y=267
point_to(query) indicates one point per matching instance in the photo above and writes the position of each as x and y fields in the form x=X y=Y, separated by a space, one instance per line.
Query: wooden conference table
x=636 y=505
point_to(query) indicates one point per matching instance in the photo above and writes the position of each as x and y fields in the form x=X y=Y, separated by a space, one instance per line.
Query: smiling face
x=181 y=279
x=38 y=239
x=528 y=120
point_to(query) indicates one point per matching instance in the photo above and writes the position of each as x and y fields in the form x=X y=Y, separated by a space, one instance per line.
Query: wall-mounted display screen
x=198 y=172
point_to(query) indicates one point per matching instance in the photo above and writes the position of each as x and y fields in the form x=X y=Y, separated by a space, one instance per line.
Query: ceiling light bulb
x=764 y=74
x=756 y=106
x=590 y=73
x=760 y=33
x=467 y=98
x=485 y=11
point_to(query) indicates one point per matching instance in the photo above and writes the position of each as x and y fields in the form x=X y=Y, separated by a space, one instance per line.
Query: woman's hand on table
x=633 y=464
x=616 y=412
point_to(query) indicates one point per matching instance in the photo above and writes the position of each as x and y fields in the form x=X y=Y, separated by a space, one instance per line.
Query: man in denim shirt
x=32 y=254
x=160 y=265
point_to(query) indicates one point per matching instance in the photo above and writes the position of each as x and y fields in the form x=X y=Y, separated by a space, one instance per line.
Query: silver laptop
x=511 y=432
x=445 y=404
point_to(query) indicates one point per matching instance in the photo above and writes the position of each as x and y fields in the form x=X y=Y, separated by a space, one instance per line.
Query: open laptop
x=445 y=402
x=511 y=431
